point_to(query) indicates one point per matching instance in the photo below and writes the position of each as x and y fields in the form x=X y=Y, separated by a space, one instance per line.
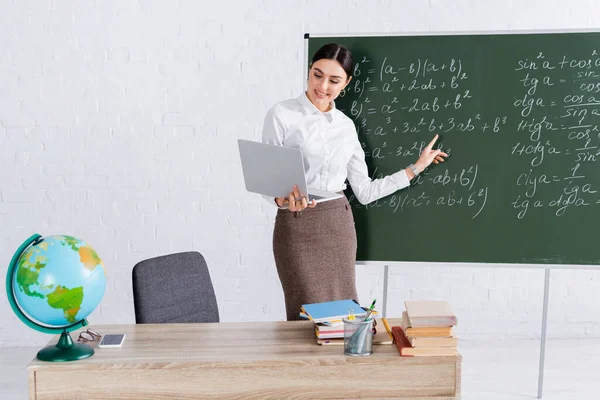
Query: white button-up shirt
x=331 y=149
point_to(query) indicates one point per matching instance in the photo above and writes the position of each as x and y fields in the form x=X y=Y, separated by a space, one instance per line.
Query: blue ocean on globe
x=59 y=281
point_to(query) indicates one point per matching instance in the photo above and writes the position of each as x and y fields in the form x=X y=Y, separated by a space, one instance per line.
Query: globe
x=53 y=284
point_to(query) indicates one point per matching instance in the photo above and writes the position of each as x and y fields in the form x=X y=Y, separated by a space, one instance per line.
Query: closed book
x=332 y=310
x=432 y=341
x=414 y=332
x=428 y=331
x=330 y=335
x=407 y=350
x=422 y=313
x=321 y=327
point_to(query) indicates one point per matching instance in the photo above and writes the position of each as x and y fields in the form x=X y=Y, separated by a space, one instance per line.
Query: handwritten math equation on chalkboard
x=575 y=118
x=553 y=116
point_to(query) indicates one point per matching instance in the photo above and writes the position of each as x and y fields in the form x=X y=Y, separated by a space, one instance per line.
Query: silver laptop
x=273 y=171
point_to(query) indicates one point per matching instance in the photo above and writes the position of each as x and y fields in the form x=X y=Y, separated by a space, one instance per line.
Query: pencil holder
x=358 y=337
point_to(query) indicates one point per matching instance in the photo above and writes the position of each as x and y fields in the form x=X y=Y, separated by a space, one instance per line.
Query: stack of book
x=328 y=316
x=426 y=329
x=328 y=321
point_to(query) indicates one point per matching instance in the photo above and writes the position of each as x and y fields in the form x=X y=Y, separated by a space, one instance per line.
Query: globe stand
x=65 y=350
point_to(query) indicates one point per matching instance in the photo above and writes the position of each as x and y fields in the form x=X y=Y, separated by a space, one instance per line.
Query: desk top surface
x=243 y=343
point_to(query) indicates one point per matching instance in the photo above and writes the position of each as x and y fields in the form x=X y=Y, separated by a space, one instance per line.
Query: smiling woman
x=330 y=73
x=315 y=246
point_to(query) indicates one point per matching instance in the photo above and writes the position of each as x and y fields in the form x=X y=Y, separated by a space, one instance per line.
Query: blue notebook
x=331 y=310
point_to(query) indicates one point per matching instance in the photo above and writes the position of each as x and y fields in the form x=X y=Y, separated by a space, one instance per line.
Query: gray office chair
x=175 y=288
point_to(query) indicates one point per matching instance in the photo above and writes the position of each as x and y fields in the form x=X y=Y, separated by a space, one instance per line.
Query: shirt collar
x=310 y=108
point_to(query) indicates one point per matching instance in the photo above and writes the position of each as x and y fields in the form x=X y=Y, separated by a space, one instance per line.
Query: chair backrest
x=175 y=288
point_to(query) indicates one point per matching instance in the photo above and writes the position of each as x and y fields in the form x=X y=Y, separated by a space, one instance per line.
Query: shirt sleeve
x=273 y=133
x=365 y=189
x=273 y=129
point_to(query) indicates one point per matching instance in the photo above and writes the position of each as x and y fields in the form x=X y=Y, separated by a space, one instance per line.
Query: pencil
x=387 y=327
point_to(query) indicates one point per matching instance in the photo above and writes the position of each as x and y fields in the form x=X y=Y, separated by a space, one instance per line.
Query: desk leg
x=543 y=336
x=31 y=385
x=386 y=269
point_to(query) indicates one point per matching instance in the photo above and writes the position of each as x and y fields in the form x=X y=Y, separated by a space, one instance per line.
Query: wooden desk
x=240 y=360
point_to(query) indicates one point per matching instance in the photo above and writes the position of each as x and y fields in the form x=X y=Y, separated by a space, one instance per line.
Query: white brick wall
x=118 y=122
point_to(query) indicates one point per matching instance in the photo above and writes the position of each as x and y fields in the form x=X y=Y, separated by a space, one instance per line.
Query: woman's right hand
x=296 y=201
x=428 y=156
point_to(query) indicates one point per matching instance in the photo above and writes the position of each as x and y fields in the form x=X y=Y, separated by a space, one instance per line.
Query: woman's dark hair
x=339 y=53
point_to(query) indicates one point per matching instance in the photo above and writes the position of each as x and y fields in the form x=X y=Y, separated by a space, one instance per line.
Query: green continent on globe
x=67 y=300
x=28 y=273
x=72 y=242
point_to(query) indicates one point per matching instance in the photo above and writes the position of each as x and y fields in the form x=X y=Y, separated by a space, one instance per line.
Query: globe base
x=65 y=350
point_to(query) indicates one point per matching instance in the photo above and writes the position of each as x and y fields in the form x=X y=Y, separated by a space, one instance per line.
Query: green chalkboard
x=519 y=115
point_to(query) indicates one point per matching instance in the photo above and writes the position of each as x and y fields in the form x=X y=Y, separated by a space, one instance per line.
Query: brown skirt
x=315 y=254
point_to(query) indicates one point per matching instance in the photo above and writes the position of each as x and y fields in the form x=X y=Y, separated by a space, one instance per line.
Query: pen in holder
x=358 y=337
